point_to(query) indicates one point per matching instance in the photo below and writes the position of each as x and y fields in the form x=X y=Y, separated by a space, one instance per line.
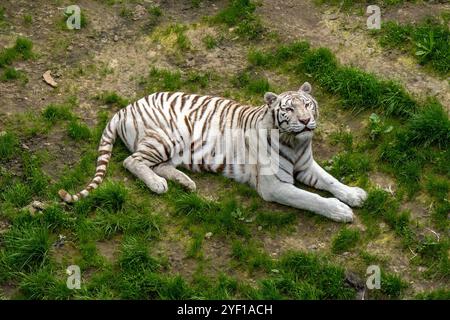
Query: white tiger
x=165 y=130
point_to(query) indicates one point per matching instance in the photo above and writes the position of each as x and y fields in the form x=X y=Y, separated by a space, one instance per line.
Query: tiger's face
x=294 y=112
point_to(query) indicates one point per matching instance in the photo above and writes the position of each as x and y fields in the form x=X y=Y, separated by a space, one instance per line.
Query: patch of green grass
x=342 y=137
x=345 y=240
x=42 y=285
x=111 y=98
x=57 y=112
x=28 y=19
x=210 y=42
x=78 y=131
x=249 y=255
x=251 y=83
x=22 y=50
x=280 y=56
x=392 y=285
x=195 y=80
x=350 y=166
x=306 y=275
x=377 y=127
x=135 y=256
x=438 y=187
x=126 y=12
x=440 y=214
x=2 y=16
x=429 y=127
x=428 y=41
x=355 y=87
x=110 y=196
x=182 y=41
x=10 y=74
x=162 y=80
x=418 y=144
x=18 y=194
x=381 y=205
x=8 y=146
x=218 y=217
x=167 y=80
x=440 y=294
x=55 y=218
x=155 y=11
x=76 y=178
x=128 y=221
x=275 y=220
x=240 y=14
x=26 y=248
x=34 y=177
x=224 y=287
x=195 y=246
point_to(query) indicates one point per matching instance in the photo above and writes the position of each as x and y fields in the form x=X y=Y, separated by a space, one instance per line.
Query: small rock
x=60 y=242
x=333 y=16
x=208 y=235
x=139 y=12
x=24 y=146
x=313 y=247
x=116 y=37
x=354 y=280
x=259 y=228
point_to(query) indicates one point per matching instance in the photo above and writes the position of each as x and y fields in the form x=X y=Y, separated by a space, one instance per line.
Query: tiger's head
x=294 y=112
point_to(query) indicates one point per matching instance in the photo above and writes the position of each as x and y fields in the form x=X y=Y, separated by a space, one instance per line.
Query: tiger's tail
x=105 y=150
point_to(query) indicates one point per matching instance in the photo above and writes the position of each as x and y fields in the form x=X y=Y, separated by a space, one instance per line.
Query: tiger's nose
x=304 y=121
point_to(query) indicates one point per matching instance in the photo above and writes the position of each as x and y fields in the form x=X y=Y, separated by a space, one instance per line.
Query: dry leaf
x=49 y=79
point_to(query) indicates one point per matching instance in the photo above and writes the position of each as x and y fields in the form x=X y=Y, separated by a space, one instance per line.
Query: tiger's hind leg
x=141 y=169
x=169 y=172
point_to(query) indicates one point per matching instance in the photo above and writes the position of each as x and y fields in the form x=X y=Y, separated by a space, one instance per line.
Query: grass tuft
x=111 y=98
x=240 y=15
x=345 y=240
x=26 y=248
x=22 y=50
x=110 y=196
x=428 y=41
x=78 y=131
x=8 y=146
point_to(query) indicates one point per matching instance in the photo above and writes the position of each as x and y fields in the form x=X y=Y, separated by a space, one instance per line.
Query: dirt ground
x=114 y=52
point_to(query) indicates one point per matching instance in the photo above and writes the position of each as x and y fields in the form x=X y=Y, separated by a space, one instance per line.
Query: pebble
x=259 y=228
x=116 y=37
x=208 y=235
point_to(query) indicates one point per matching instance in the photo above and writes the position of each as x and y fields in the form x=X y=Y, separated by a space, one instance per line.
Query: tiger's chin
x=304 y=134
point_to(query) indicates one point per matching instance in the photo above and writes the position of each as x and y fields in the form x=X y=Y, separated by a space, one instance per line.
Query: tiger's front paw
x=338 y=211
x=354 y=197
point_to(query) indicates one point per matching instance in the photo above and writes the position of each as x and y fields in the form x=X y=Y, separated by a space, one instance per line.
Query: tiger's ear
x=270 y=98
x=306 y=87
